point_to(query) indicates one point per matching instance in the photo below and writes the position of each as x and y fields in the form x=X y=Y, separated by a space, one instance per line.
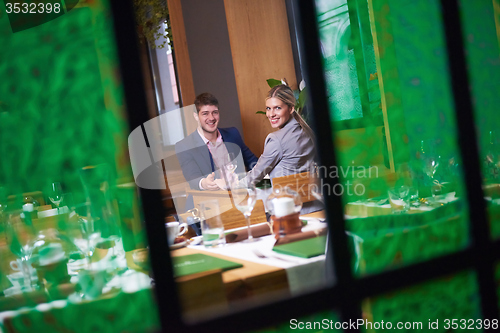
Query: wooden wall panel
x=261 y=49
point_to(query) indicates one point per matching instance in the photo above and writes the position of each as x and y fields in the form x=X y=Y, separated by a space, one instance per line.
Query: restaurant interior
x=101 y=230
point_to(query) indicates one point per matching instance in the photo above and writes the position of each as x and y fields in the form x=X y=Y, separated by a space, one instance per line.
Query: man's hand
x=209 y=183
x=221 y=183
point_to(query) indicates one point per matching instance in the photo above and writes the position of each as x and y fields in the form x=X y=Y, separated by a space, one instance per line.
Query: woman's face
x=277 y=112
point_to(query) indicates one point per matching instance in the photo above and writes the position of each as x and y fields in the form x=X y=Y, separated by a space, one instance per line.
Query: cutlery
x=263 y=256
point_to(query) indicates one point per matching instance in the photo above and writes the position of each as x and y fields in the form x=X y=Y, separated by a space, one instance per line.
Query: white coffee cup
x=17 y=277
x=16 y=265
x=175 y=229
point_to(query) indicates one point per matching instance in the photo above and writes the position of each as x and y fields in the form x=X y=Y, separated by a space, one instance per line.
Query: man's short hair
x=205 y=99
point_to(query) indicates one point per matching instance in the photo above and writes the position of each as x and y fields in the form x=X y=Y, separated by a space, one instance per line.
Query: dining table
x=264 y=275
x=380 y=206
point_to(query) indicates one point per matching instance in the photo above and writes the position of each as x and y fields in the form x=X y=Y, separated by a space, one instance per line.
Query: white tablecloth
x=303 y=274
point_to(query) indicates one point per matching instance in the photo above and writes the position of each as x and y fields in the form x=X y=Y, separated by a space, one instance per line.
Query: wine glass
x=20 y=244
x=399 y=198
x=84 y=232
x=406 y=176
x=56 y=194
x=81 y=235
x=231 y=163
x=430 y=166
x=244 y=197
x=429 y=157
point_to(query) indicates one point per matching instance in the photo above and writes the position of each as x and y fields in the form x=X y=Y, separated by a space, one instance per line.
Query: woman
x=289 y=150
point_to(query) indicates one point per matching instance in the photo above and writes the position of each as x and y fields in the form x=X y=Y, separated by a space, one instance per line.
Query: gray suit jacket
x=286 y=152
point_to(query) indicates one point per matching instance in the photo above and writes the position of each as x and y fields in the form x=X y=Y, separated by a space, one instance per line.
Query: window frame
x=348 y=292
x=367 y=119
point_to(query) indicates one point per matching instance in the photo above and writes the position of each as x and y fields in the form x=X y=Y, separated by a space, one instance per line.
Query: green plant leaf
x=260 y=112
x=302 y=98
x=273 y=82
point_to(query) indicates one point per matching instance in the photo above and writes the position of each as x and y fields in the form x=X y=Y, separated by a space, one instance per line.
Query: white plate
x=178 y=245
x=196 y=240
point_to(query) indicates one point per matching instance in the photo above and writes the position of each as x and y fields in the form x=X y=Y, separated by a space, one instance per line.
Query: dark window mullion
x=135 y=99
x=467 y=141
x=291 y=15
x=324 y=142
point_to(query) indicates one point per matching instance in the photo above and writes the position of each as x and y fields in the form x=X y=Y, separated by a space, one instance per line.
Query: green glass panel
x=320 y=322
x=481 y=29
x=399 y=165
x=63 y=121
x=116 y=314
x=340 y=63
x=430 y=306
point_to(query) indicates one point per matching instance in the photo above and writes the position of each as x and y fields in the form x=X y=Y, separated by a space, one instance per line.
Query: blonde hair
x=285 y=94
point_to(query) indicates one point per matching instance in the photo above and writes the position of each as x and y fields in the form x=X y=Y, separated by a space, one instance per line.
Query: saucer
x=178 y=245
x=196 y=240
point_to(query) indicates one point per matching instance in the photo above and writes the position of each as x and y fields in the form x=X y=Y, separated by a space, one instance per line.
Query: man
x=204 y=152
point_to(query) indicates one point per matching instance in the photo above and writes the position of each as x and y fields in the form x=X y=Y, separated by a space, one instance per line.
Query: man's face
x=208 y=118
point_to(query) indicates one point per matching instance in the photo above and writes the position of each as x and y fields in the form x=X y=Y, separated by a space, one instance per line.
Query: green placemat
x=306 y=248
x=197 y=263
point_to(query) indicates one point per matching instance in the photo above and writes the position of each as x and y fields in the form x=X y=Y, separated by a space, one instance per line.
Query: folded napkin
x=300 y=236
x=306 y=248
x=242 y=234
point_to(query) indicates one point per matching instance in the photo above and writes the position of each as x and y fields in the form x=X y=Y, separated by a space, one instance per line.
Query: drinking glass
x=212 y=227
x=101 y=217
x=20 y=244
x=244 y=197
x=437 y=191
x=81 y=234
x=414 y=199
x=56 y=194
x=51 y=253
x=429 y=159
x=399 y=198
